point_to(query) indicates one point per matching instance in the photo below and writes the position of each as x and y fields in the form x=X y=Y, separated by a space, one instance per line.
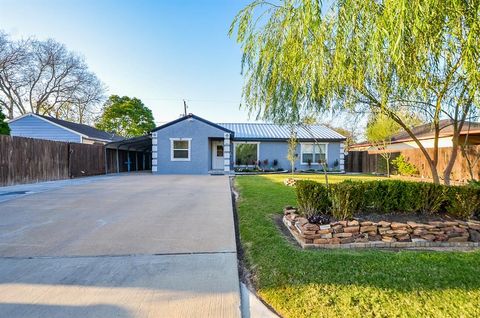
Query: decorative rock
x=366 y=223
x=337 y=229
x=353 y=223
x=302 y=221
x=384 y=224
x=474 y=235
x=368 y=228
x=325 y=226
x=419 y=231
x=321 y=241
x=450 y=223
x=334 y=240
x=326 y=236
x=343 y=223
x=374 y=238
x=383 y=230
x=458 y=239
x=473 y=225
x=400 y=232
x=347 y=240
x=429 y=237
x=389 y=239
x=305 y=232
x=361 y=240
x=324 y=231
x=403 y=238
x=397 y=225
x=437 y=224
x=310 y=227
x=351 y=229
x=342 y=235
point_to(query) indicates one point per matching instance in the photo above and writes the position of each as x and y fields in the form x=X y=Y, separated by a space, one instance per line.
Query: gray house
x=49 y=128
x=193 y=145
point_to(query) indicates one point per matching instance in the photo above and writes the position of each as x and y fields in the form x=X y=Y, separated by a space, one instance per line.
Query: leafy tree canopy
x=380 y=56
x=125 y=116
x=4 y=129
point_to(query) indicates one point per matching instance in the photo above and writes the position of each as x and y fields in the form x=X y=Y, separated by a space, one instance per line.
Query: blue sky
x=159 y=51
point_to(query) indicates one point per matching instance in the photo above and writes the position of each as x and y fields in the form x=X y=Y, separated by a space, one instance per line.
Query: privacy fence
x=363 y=162
x=26 y=160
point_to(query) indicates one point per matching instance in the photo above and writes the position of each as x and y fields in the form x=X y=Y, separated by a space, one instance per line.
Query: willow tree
x=379 y=56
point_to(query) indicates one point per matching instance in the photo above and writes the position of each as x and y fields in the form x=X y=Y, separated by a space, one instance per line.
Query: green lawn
x=340 y=283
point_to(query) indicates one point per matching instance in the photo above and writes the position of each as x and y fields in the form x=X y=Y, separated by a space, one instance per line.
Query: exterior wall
x=200 y=148
x=34 y=127
x=277 y=150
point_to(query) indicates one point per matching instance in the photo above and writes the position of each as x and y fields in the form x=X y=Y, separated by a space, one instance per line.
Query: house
x=45 y=127
x=193 y=145
x=469 y=135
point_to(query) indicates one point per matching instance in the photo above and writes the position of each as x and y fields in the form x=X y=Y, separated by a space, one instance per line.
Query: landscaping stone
x=474 y=236
x=352 y=233
x=368 y=228
x=351 y=229
x=342 y=235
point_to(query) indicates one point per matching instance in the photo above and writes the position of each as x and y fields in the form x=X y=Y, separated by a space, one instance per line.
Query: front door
x=217 y=155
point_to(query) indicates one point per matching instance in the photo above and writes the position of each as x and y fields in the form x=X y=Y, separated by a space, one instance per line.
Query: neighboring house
x=193 y=145
x=470 y=135
x=44 y=127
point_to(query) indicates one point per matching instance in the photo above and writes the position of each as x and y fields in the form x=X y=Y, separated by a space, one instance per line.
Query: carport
x=132 y=154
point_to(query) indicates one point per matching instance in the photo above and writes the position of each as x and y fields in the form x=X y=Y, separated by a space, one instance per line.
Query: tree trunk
x=451 y=162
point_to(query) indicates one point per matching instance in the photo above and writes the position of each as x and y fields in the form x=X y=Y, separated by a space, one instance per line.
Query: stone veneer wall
x=356 y=233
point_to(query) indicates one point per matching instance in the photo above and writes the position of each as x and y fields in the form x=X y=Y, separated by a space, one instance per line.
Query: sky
x=159 y=51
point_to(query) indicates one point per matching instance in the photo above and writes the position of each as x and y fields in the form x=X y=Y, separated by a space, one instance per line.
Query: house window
x=180 y=149
x=313 y=153
x=219 y=150
x=246 y=154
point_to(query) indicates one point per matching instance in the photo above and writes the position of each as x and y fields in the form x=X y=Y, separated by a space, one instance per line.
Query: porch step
x=216 y=172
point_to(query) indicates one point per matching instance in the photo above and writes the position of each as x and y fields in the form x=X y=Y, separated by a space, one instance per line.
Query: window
x=246 y=154
x=219 y=150
x=313 y=153
x=180 y=149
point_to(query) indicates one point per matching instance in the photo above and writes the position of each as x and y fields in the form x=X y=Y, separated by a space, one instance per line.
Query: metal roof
x=251 y=131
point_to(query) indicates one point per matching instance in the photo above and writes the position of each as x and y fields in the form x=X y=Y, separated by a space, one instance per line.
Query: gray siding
x=200 y=156
x=34 y=127
x=278 y=150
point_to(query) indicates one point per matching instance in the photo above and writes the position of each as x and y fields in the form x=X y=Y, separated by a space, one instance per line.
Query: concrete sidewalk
x=125 y=246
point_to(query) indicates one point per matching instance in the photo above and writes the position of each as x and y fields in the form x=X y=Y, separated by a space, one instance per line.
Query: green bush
x=348 y=198
x=313 y=198
x=463 y=202
x=404 y=167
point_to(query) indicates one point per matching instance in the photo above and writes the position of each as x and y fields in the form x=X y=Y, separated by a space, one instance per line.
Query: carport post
x=106 y=164
x=118 y=164
x=136 y=160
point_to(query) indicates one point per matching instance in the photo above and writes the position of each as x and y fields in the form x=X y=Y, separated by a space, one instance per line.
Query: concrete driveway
x=127 y=246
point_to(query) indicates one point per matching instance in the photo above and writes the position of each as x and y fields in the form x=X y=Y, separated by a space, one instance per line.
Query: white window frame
x=189 y=149
x=243 y=143
x=302 y=144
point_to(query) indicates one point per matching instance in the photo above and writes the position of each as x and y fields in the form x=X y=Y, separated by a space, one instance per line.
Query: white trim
x=244 y=142
x=313 y=143
x=189 y=149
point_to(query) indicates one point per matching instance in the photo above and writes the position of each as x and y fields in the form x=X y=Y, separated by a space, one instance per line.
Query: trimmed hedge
x=344 y=200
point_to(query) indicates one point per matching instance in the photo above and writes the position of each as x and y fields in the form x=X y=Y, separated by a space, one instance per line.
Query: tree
x=379 y=133
x=292 y=154
x=125 y=116
x=4 y=129
x=376 y=56
x=43 y=77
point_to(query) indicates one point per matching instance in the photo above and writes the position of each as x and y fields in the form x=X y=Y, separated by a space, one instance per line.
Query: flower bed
x=358 y=233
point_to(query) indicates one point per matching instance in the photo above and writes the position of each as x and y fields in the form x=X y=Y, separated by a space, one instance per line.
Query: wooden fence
x=363 y=162
x=26 y=160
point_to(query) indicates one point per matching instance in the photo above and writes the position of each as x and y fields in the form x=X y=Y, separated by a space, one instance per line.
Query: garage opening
x=129 y=155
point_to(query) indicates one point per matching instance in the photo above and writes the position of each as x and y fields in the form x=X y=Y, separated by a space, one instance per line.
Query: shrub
x=463 y=202
x=404 y=167
x=347 y=198
x=344 y=200
x=312 y=198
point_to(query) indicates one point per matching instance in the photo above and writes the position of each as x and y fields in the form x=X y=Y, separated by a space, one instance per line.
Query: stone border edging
x=372 y=244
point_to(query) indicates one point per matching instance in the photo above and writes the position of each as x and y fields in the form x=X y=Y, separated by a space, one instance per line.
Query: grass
x=342 y=283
